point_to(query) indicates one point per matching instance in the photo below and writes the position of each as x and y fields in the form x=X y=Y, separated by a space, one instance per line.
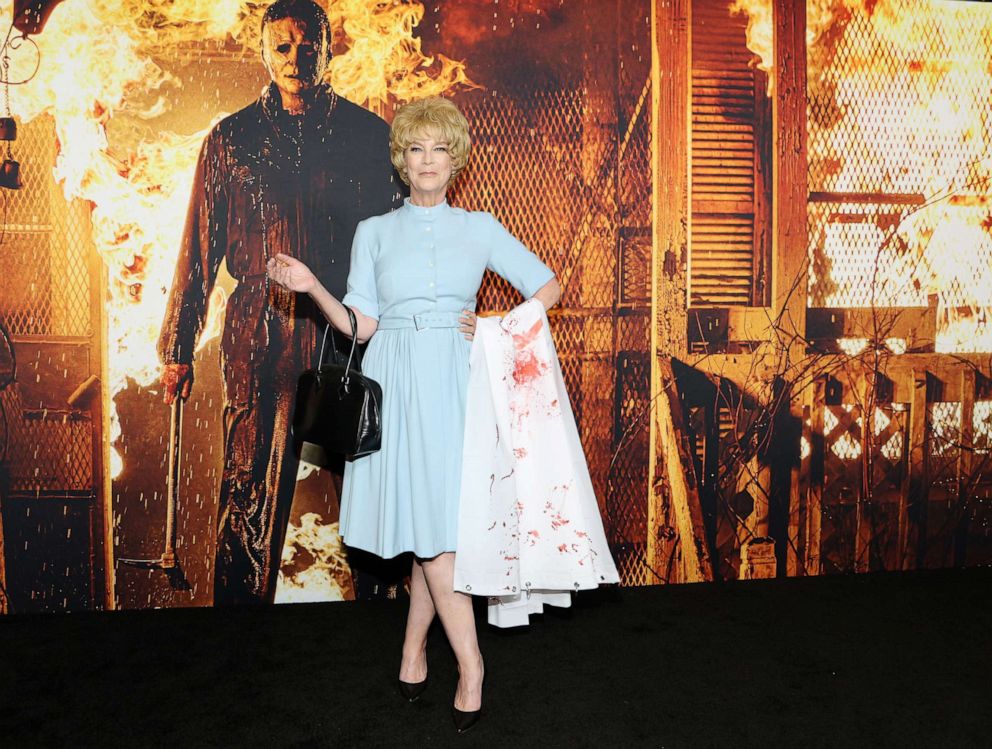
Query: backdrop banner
x=769 y=218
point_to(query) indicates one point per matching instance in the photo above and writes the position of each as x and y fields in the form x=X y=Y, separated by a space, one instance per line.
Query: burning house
x=770 y=219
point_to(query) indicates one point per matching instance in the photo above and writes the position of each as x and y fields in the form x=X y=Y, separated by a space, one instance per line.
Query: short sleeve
x=362 y=292
x=514 y=262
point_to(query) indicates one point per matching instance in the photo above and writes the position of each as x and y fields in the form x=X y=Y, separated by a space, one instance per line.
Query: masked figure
x=294 y=173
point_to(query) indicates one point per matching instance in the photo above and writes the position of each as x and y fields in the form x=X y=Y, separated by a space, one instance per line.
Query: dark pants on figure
x=260 y=465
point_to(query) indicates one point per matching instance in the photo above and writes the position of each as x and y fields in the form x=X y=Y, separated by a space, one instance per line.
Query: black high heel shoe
x=464 y=720
x=411 y=691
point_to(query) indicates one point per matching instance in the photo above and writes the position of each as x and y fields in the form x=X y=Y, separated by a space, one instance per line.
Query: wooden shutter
x=731 y=149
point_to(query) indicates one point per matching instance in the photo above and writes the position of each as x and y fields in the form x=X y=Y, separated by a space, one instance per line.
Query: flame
x=760 y=40
x=100 y=65
x=382 y=34
x=899 y=106
x=327 y=577
x=822 y=17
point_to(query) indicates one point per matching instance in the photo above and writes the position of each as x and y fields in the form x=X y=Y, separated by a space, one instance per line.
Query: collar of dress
x=428 y=213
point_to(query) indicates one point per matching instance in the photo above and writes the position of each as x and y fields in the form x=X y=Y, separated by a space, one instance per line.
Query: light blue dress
x=414 y=270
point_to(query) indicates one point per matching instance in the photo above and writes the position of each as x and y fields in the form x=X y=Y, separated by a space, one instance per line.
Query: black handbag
x=337 y=407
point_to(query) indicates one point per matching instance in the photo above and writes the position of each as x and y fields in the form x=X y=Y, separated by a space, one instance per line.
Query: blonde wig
x=437 y=118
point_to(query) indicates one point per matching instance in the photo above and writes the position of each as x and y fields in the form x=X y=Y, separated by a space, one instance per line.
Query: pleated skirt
x=405 y=496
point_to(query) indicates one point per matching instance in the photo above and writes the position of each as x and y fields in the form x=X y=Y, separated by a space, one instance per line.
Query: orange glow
x=326 y=577
x=900 y=107
x=384 y=58
x=99 y=60
x=759 y=33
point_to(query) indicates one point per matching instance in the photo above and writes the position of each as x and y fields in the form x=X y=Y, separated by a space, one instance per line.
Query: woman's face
x=428 y=165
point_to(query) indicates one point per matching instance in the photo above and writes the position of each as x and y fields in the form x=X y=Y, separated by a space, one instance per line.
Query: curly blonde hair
x=436 y=117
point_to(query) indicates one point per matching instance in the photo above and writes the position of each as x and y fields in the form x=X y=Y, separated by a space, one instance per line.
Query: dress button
x=428 y=228
x=431 y=284
x=430 y=264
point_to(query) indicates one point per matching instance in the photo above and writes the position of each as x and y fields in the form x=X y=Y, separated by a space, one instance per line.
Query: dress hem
x=378 y=553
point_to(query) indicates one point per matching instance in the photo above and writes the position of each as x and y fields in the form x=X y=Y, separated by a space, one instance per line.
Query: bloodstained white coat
x=529 y=527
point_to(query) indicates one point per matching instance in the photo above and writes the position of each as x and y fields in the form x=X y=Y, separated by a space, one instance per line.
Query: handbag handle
x=351 y=354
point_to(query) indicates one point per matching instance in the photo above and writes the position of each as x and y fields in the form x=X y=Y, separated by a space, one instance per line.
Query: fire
x=383 y=33
x=100 y=77
x=760 y=39
x=899 y=103
x=326 y=577
x=99 y=63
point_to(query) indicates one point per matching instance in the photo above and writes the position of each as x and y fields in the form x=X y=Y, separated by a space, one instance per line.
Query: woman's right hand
x=290 y=273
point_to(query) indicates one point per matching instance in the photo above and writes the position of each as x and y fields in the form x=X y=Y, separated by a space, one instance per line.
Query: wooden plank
x=671 y=150
x=4 y=608
x=917 y=326
x=913 y=495
x=102 y=570
x=966 y=463
x=862 y=528
x=867 y=197
x=789 y=282
x=103 y=575
x=814 y=503
x=669 y=240
x=799 y=495
x=683 y=486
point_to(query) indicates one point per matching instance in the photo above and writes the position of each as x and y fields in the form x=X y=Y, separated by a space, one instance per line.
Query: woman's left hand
x=467 y=321
x=290 y=273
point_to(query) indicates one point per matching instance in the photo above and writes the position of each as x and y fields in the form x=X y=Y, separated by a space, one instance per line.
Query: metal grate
x=626 y=520
x=44 y=250
x=533 y=193
x=566 y=168
x=46 y=294
x=48 y=451
x=540 y=197
x=899 y=126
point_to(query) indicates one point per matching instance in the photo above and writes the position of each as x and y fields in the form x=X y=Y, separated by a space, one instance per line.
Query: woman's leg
x=458 y=619
x=413 y=667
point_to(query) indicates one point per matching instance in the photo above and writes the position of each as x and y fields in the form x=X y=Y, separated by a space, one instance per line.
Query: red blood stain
x=527 y=367
x=523 y=340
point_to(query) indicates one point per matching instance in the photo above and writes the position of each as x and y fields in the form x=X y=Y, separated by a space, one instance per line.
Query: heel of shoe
x=411 y=691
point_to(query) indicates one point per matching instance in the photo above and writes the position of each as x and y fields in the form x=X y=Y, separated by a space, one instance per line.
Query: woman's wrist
x=315 y=289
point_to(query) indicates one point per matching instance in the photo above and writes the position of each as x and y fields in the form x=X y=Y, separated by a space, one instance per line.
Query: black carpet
x=882 y=660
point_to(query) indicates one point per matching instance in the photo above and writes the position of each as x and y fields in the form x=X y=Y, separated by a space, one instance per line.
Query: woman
x=414 y=277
